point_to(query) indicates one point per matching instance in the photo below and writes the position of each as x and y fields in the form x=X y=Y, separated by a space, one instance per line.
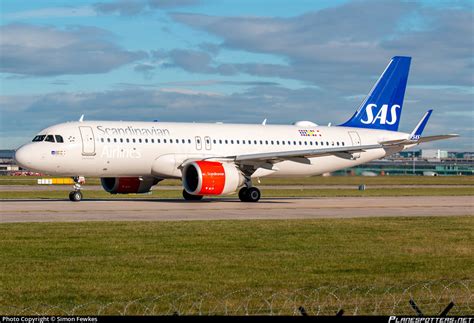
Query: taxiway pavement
x=232 y=208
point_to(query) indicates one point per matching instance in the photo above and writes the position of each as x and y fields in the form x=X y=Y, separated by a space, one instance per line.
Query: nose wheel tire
x=75 y=196
x=251 y=194
x=191 y=197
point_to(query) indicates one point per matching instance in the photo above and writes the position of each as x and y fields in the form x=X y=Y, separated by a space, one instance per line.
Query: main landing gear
x=249 y=194
x=246 y=194
x=76 y=195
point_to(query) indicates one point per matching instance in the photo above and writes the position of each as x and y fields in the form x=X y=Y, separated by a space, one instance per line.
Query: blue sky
x=231 y=61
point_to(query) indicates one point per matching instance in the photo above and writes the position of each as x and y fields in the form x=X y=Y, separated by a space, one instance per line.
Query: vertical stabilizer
x=382 y=108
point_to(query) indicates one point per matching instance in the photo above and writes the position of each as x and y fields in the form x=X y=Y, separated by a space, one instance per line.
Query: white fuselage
x=122 y=149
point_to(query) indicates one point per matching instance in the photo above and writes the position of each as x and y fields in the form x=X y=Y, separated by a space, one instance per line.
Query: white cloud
x=45 y=51
x=53 y=12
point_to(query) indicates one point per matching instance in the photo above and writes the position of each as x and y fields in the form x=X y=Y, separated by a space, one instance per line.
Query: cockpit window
x=39 y=138
x=49 y=138
x=59 y=138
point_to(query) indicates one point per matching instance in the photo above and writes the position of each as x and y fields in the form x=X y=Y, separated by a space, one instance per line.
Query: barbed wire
x=431 y=296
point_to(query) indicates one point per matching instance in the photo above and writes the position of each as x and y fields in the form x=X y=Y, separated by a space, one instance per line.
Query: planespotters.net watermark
x=397 y=319
x=48 y=319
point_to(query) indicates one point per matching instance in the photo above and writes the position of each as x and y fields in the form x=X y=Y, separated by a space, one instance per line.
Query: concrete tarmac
x=232 y=209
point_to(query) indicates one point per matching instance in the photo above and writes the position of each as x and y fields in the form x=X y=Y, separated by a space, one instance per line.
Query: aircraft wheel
x=191 y=197
x=75 y=196
x=243 y=194
x=251 y=194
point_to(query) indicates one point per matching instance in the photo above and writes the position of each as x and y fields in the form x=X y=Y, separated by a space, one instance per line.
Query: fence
x=430 y=298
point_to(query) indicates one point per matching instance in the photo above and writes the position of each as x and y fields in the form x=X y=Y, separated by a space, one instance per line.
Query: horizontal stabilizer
x=420 y=140
x=438 y=137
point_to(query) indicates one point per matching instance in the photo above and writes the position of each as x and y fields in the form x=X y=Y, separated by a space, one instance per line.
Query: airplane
x=215 y=159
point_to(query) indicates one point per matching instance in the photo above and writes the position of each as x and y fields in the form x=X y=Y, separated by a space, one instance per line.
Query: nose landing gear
x=76 y=195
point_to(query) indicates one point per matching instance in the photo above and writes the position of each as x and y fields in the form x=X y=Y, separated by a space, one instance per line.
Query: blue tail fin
x=382 y=108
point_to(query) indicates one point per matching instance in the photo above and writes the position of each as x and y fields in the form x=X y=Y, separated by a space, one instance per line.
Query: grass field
x=53 y=267
x=266 y=193
x=315 y=180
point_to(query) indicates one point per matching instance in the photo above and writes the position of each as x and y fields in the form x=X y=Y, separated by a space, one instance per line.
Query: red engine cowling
x=211 y=178
x=127 y=185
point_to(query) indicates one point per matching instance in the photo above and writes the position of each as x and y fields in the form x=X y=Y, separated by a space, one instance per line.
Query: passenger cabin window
x=49 y=138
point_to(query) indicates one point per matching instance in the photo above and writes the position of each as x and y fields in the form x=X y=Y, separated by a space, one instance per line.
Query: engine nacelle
x=127 y=185
x=211 y=178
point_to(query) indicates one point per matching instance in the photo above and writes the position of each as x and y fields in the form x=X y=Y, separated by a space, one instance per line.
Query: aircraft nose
x=23 y=156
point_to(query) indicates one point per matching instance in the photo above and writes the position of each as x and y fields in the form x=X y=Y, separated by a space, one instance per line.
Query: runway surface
x=232 y=209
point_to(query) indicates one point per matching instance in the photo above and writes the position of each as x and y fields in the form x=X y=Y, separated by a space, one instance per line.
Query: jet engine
x=211 y=178
x=127 y=185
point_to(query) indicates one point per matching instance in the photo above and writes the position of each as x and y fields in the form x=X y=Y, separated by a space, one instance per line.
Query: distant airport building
x=7 y=164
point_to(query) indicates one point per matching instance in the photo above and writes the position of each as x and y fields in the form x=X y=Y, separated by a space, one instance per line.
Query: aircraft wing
x=302 y=155
x=347 y=152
